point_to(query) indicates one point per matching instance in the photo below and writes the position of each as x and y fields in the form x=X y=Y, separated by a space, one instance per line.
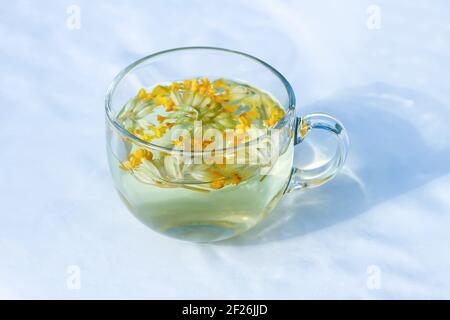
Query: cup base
x=201 y=232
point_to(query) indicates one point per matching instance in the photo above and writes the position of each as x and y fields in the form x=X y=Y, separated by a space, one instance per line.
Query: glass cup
x=169 y=200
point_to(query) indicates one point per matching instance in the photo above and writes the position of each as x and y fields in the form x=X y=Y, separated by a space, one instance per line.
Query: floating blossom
x=224 y=174
x=135 y=159
x=160 y=118
x=274 y=117
x=221 y=104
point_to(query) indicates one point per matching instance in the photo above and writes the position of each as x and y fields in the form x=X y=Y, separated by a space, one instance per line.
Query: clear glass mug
x=172 y=204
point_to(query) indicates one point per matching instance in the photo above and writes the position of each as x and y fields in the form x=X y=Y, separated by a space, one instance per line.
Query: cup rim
x=112 y=87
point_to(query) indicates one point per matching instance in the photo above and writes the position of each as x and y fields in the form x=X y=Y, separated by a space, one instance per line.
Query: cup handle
x=306 y=178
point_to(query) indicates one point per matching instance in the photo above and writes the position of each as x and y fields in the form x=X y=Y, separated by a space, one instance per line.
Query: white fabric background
x=387 y=215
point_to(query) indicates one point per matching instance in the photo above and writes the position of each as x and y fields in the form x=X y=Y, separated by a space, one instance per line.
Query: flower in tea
x=222 y=105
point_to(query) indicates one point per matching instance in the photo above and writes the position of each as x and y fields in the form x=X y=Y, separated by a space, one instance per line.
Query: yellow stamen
x=205 y=82
x=210 y=92
x=253 y=113
x=243 y=120
x=303 y=128
x=230 y=107
x=244 y=124
x=161 y=100
x=219 y=84
x=206 y=143
x=159 y=90
x=125 y=165
x=148 y=97
x=194 y=85
x=235 y=179
x=135 y=159
x=142 y=153
x=170 y=106
x=179 y=141
x=161 y=118
x=158 y=131
x=142 y=93
x=217 y=174
x=270 y=122
x=218 y=184
x=175 y=86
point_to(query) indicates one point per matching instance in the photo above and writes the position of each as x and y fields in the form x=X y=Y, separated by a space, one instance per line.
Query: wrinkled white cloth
x=380 y=229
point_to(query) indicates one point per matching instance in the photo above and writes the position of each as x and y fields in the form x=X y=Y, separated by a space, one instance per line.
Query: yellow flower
x=148 y=97
x=218 y=184
x=170 y=106
x=222 y=180
x=220 y=98
x=219 y=179
x=202 y=90
x=243 y=120
x=206 y=142
x=219 y=84
x=142 y=93
x=143 y=153
x=253 y=113
x=275 y=116
x=217 y=174
x=158 y=131
x=175 y=86
x=215 y=103
x=140 y=134
x=135 y=159
x=159 y=100
x=244 y=124
x=230 y=107
x=270 y=122
x=235 y=179
x=194 y=85
x=303 y=128
x=126 y=165
x=206 y=83
x=178 y=142
x=161 y=118
x=159 y=91
x=210 y=91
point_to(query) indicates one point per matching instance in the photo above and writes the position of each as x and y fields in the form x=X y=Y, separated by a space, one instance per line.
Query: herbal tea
x=204 y=177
